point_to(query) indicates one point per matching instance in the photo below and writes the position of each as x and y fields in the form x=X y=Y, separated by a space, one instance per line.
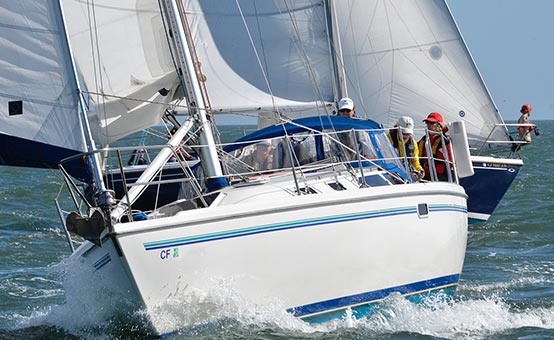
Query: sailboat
x=327 y=225
x=409 y=58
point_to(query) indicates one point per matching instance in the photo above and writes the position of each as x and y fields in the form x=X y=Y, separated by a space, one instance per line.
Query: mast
x=336 y=50
x=105 y=198
x=184 y=44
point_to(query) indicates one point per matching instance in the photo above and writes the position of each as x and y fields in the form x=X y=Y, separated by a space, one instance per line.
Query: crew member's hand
x=418 y=174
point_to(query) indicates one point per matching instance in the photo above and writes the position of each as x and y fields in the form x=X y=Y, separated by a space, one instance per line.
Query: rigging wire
x=266 y=79
x=97 y=63
x=299 y=44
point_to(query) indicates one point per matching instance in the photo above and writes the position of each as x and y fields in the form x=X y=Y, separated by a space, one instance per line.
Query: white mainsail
x=263 y=56
x=38 y=94
x=408 y=58
x=123 y=58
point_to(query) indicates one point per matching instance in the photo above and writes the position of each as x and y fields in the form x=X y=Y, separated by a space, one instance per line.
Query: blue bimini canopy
x=337 y=123
x=376 y=134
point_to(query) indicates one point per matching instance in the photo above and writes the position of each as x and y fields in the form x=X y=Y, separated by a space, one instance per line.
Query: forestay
x=408 y=58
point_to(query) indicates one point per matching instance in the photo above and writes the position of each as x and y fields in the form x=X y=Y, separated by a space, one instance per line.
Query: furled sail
x=263 y=56
x=407 y=57
x=39 y=122
x=123 y=58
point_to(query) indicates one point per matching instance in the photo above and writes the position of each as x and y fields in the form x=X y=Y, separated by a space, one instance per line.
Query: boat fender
x=140 y=216
x=460 y=149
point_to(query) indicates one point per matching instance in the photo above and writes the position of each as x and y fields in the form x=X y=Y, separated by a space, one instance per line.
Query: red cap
x=526 y=107
x=434 y=117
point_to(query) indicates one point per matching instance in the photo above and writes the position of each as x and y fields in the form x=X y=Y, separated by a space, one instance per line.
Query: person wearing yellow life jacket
x=437 y=129
x=401 y=137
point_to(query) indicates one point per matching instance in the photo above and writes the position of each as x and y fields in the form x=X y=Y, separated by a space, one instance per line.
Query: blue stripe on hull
x=104 y=260
x=362 y=304
x=445 y=284
x=293 y=225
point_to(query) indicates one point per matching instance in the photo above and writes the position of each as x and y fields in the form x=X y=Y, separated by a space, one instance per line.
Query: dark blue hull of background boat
x=156 y=194
x=487 y=186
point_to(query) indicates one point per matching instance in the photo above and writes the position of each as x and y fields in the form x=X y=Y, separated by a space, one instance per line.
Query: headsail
x=263 y=56
x=39 y=123
x=408 y=58
x=123 y=57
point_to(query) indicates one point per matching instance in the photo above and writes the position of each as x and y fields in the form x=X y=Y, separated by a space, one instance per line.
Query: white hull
x=315 y=254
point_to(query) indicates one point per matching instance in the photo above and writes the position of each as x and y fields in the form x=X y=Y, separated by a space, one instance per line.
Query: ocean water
x=506 y=290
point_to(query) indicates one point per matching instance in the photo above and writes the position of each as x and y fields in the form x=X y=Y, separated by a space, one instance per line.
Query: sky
x=511 y=42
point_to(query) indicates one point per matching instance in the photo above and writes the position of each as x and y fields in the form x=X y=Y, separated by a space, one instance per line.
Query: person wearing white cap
x=261 y=157
x=346 y=107
x=401 y=137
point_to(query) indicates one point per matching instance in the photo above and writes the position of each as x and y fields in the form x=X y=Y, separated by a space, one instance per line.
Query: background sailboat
x=409 y=58
x=394 y=58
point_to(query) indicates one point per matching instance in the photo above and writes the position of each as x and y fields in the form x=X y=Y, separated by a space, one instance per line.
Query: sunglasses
x=345 y=110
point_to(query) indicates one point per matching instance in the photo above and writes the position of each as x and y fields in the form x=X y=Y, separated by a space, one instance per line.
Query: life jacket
x=438 y=156
x=409 y=145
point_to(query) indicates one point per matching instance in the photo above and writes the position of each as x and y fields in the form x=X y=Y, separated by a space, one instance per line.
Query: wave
x=217 y=312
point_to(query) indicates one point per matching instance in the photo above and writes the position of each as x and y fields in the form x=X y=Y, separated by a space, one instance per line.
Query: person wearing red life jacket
x=437 y=133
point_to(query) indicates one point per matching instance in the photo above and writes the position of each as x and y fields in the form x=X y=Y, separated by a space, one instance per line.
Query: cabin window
x=422 y=210
x=374 y=181
x=258 y=157
x=307 y=190
x=303 y=148
x=341 y=145
x=336 y=186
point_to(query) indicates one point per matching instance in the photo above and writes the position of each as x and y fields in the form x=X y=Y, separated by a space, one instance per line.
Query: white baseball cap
x=346 y=103
x=406 y=125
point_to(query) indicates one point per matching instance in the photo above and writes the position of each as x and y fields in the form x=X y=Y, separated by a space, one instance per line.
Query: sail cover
x=39 y=122
x=407 y=57
x=263 y=56
x=122 y=54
